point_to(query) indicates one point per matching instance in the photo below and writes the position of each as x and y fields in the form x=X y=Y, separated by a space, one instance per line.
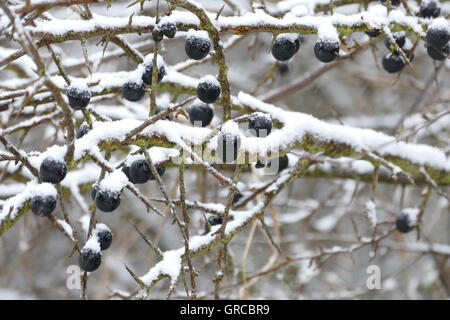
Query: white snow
x=412 y=214
x=92 y=244
x=114 y=181
x=197 y=34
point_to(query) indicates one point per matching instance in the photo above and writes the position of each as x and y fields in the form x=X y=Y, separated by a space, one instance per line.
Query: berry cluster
x=91 y=255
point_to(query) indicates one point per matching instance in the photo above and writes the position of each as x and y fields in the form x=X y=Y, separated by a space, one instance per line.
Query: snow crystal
x=412 y=214
x=92 y=244
x=67 y=228
x=371 y=213
x=197 y=34
x=149 y=60
x=327 y=32
x=114 y=182
x=440 y=23
x=170 y=266
x=211 y=80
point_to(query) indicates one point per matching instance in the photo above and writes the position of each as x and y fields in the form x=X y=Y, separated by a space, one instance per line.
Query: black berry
x=437 y=38
x=82 y=131
x=399 y=37
x=373 y=34
x=89 y=259
x=208 y=90
x=284 y=47
x=429 y=9
x=160 y=172
x=139 y=171
x=213 y=221
x=260 y=125
x=133 y=91
x=393 y=62
x=228 y=147
x=326 y=51
x=169 y=29
x=283 y=163
x=197 y=47
x=43 y=206
x=157 y=35
x=439 y=55
x=104 y=236
x=201 y=112
x=236 y=197
x=403 y=223
x=393 y=2
x=52 y=171
x=148 y=73
x=107 y=200
x=78 y=97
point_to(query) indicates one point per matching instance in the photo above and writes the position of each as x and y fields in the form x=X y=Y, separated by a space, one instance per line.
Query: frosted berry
x=373 y=34
x=139 y=171
x=429 y=9
x=228 y=147
x=284 y=47
x=157 y=35
x=43 y=205
x=107 y=200
x=169 y=29
x=399 y=37
x=148 y=73
x=160 y=172
x=393 y=62
x=236 y=197
x=439 y=55
x=53 y=171
x=89 y=259
x=261 y=125
x=104 y=236
x=197 y=47
x=393 y=2
x=78 y=97
x=403 y=223
x=133 y=91
x=200 y=112
x=213 y=221
x=82 y=131
x=437 y=37
x=283 y=163
x=326 y=51
x=208 y=91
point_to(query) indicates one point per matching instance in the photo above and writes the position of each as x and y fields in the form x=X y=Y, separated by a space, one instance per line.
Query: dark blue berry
x=282 y=163
x=148 y=73
x=78 y=98
x=169 y=29
x=437 y=38
x=236 y=197
x=157 y=35
x=133 y=91
x=284 y=48
x=200 y=112
x=440 y=54
x=160 y=172
x=403 y=223
x=373 y=34
x=89 y=259
x=126 y=170
x=260 y=125
x=326 y=51
x=399 y=37
x=52 y=171
x=107 y=200
x=393 y=62
x=197 y=48
x=429 y=9
x=139 y=171
x=43 y=205
x=104 y=236
x=208 y=91
x=213 y=220
x=228 y=147
x=82 y=131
